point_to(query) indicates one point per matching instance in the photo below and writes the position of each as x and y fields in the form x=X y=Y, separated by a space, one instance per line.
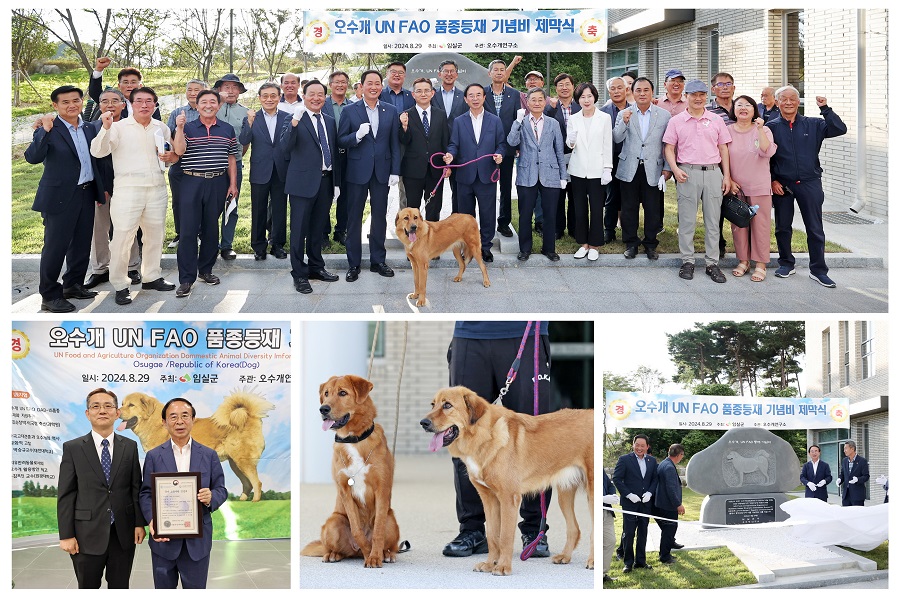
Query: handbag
x=737 y=210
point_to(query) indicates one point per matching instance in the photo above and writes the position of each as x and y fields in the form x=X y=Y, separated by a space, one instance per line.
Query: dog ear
x=361 y=387
x=476 y=407
x=397 y=219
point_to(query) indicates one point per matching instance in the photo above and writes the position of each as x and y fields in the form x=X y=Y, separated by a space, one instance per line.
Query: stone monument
x=745 y=476
x=426 y=65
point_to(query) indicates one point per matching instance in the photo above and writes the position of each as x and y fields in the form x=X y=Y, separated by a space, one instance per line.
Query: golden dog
x=425 y=240
x=363 y=523
x=234 y=431
x=509 y=455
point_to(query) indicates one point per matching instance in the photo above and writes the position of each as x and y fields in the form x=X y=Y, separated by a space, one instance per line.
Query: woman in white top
x=589 y=134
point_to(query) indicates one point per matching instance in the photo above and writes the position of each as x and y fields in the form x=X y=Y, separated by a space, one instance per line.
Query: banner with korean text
x=471 y=31
x=716 y=412
x=236 y=374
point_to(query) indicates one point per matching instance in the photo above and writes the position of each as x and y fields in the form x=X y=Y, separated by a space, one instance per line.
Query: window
x=712 y=50
x=617 y=62
x=379 y=343
x=845 y=344
x=826 y=370
x=793 y=26
x=867 y=349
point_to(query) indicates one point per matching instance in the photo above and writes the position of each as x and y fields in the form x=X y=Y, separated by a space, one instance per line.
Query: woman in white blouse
x=589 y=134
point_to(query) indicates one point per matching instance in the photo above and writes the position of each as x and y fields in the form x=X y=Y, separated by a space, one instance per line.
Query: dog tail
x=314 y=549
x=240 y=407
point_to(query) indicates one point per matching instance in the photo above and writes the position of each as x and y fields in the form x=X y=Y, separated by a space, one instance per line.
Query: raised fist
x=404 y=119
x=180 y=121
x=102 y=63
x=251 y=115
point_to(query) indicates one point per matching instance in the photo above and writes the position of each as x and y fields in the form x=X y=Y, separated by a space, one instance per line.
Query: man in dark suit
x=451 y=100
x=618 y=93
x=561 y=108
x=667 y=503
x=310 y=142
x=503 y=101
x=128 y=80
x=369 y=131
x=97 y=506
x=423 y=132
x=339 y=82
x=635 y=478
x=475 y=134
x=69 y=186
x=854 y=475
x=816 y=475
x=268 y=169
x=609 y=525
x=187 y=558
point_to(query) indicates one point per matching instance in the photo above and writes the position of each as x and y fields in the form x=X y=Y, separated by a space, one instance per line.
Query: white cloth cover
x=820 y=523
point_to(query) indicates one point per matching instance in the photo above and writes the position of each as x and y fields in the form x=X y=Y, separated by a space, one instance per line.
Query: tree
x=136 y=33
x=277 y=31
x=68 y=33
x=199 y=38
x=29 y=40
x=650 y=379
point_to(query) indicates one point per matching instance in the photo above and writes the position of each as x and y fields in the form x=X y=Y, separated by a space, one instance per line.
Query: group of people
x=104 y=502
x=314 y=145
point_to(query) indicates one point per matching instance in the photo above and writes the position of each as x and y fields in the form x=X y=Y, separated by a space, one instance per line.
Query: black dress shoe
x=652 y=254
x=183 y=290
x=340 y=238
x=259 y=257
x=302 y=285
x=608 y=578
x=677 y=546
x=57 y=305
x=228 y=254
x=278 y=252
x=123 y=297
x=523 y=256
x=209 y=278
x=542 y=549
x=323 y=275
x=626 y=569
x=630 y=252
x=552 y=256
x=352 y=274
x=381 y=268
x=78 y=292
x=135 y=277
x=95 y=279
x=466 y=543
x=643 y=566
x=505 y=231
x=487 y=256
x=609 y=237
x=159 y=284
x=671 y=560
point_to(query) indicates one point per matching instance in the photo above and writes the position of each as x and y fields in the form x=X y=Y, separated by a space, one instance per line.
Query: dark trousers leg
x=117 y=562
x=635 y=534
x=201 y=206
x=175 y=178
x=613 y=203
x=318 y=223
x=784 y=217
x=378 y=198
x=570 y=210
x=561 y=212
x=414 y=190
x=637 y=193
x=433 y=208
x=506 y=171
x=454 y=206
x=301 y=210
x=230 y=224
x=527 y=202
x=277 y=212
x=340 y=223
x=486 y=195
x=588 y=196
x=667 y=532
x=259 y=211
x=356 y=202
x=66 y=237
x=549 y=200
x=810 y=198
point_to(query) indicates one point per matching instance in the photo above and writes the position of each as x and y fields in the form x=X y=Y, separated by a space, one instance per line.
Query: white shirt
x=289 y=106
x=312 y=119
x=98 y=439
x=182 y=456
x=271 y=122
x=814 y=464
x=425 y=111
x=642 y=463
x=476 y=124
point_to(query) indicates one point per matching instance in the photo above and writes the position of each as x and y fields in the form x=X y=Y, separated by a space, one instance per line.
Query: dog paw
x=561 y=559
x=332 y=556
x=420 y=302
x=590 y=564
x=243 y=497
x=413 y=295
x=484 y=567
x=502 y=570
x=374 y=561
x=487 y=284
x=457 y=279
x=389 y=557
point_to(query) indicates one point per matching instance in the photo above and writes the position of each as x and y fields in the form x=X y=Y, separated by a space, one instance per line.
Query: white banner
x=472 y=31
x=716 y=412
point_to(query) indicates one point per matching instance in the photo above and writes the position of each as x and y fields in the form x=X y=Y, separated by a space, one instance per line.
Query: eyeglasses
x=107 y=407
x=143 y=101
x=396 y=72
x=723 y=84
x=110 y=101
x=422 y=91
x=743 y=105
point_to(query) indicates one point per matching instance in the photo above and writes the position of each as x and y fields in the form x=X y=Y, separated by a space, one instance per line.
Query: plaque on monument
x=750 y=510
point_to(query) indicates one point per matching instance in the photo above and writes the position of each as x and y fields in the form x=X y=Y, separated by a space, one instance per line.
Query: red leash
x=495 y=176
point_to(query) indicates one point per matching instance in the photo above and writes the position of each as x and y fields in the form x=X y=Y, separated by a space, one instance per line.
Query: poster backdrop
x=648 y=410
x=472 y=31
x=238 y=374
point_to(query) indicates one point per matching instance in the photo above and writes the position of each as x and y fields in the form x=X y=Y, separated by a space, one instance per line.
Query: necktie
x=425 y=122
x=536 y=136
x=323 y=141
x=106 y=464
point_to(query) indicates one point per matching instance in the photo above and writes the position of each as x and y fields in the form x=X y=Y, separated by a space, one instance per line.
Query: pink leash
x=495 y=176
x=529 y=549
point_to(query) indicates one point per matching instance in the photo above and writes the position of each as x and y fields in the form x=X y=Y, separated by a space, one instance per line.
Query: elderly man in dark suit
x=369 y=132
x=854 y=475
x=310 y=142
x=503 y=101
x=268 y=169
x=667 y=503
x=97 y=508
x=423 y=132
x=816 y=475
x=635 y=478
x=69 y=186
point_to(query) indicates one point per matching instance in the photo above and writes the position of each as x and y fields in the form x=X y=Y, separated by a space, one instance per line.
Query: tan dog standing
x=425 y=240
x=363 y=523
x=509 y=455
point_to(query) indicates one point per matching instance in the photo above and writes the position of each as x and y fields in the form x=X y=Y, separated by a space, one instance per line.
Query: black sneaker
x=466 y=543
x=542 y=549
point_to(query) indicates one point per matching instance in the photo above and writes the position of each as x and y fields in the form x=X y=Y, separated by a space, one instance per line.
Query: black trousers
x=482 y=365
x=528 y=197
x=309 y=217
x=485 y=194
x=377 y=194
x=667 y=532
x=587 y=213
x=117 y=562
x=635 y=526
x=202 y=203
x=268 y=201
x=613 y=202
x=417 y=189
x=67 y=236
x=637 y=193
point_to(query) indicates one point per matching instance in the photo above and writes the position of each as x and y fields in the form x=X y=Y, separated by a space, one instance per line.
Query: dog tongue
x=122 y=426
x=437 y=441
x=412 y=237
x=326 y=424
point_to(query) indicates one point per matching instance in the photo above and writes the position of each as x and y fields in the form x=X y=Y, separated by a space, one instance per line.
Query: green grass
x=33 y=516
x=879 y=555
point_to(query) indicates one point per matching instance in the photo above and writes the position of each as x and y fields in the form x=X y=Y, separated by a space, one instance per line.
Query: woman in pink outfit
x=750 y=148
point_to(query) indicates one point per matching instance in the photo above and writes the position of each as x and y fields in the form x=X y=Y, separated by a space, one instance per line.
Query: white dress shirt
x=182 y=456
x=98 y=439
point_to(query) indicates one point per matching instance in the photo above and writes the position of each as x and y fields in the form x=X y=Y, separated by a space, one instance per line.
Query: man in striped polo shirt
x=207 y=148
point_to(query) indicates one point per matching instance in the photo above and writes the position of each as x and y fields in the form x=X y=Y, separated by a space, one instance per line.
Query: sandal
x=759 y=274
x=741 y=269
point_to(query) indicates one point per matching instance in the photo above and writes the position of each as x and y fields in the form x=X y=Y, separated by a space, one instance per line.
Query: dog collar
x=354 y=438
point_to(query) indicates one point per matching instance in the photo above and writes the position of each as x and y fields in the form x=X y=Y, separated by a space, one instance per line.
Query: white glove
x=337 y=192
x=298 y=112
x=611 y=499
x=662 y=183
x=606 y=177
x=363 y=131
x=571 y=137
x=811 y=485
x=562 y=183
x=853 y=481
x=839 y=482
x=393 y=179
x=646 y=497
x=821 y=483
x=633 y=498
x=881 y=479
x=520 y=114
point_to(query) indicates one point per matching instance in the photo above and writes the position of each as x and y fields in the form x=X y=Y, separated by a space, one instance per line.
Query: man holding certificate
x=181 y=540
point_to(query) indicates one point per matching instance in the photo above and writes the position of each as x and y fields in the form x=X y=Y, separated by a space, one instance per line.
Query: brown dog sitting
x=363 y=523
x=425 y=240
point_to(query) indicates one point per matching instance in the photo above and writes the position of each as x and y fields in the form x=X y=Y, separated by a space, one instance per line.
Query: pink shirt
x=537 y=125
x=749 y=164
x=697 y=140
x=673 y=107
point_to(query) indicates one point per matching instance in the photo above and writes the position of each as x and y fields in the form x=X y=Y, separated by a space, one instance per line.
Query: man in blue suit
x=854 y=475
x=667 y=503
x=816 y=475
x=635 y=478
x=370 y=132
x=313 y=179
x=268 y=170
x=187 y=558
x=69 y=186
x=475 y=134
x=503 y=101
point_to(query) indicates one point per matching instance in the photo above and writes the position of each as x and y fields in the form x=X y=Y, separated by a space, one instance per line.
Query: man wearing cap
x=797 y=176
x=232 y=112
x=673 y=100
x=697 y=154
x=613 y=206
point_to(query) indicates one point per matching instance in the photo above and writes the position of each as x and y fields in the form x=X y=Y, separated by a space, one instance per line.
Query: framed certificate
x=176 y=509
